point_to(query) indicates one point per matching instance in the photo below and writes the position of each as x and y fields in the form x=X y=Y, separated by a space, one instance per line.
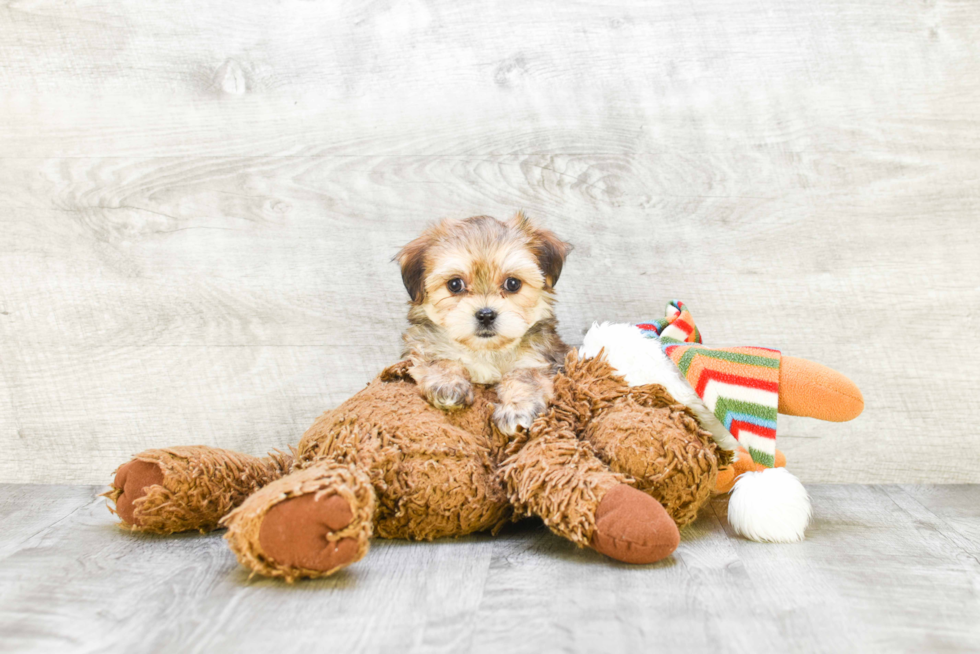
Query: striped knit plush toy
x=736 y=393
x=739 y=385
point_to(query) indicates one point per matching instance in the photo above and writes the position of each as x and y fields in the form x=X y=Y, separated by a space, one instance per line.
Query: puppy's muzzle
x=485 y=318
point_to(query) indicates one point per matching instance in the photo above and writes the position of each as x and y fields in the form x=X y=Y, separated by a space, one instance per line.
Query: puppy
x=482 y=292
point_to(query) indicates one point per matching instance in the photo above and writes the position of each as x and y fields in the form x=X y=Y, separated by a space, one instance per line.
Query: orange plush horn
x=813 y=390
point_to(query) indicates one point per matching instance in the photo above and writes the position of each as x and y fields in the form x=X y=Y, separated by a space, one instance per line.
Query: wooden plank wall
x=199 y=202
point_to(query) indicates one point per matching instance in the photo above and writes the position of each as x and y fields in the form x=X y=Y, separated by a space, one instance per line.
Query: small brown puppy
x=482 y=292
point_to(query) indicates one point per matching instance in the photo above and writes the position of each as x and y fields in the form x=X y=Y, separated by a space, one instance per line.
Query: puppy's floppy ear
x=411 y=258
x=548 y=248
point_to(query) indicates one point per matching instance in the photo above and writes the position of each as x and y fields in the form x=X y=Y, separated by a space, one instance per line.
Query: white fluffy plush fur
x=769 y=506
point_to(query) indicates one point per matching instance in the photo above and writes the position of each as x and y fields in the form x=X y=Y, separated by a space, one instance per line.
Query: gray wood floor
x=884 y=568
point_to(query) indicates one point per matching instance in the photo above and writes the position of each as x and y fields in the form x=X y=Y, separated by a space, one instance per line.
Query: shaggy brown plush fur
x=433 y=471
x=599 y=433
x=387 y=463
x=200 y=485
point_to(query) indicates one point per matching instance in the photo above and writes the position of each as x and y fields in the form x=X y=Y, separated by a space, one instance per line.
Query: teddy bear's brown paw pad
x=632 y=527
x=295 y=533
x=134 y=479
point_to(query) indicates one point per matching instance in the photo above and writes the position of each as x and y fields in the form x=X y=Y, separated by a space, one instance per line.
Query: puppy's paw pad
x=451 y=395
x=510 y=417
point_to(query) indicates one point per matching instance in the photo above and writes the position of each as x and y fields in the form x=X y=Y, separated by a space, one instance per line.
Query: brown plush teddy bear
x=608 y=466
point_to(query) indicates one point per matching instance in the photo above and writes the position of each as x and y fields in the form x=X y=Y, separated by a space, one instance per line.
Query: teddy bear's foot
x=632 y=527
x=187 y=488
x=297 y=533
x=308 y=524
x=133 y=480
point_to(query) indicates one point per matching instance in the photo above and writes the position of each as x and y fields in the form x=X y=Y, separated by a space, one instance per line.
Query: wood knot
x=230 y=78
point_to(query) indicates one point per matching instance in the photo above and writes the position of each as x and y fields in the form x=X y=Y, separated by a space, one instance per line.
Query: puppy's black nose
x=486 y=316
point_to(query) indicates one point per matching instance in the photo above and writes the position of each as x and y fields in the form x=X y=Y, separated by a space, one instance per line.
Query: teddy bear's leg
x=186 y=488
x=310 y=523
x=557 y=477
x=662 y=448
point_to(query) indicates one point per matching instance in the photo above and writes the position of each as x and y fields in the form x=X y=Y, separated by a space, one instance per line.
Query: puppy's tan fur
x=446 y=343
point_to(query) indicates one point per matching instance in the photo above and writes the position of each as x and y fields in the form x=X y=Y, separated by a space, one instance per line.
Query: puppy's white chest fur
x=488 y=367
x=483 y=368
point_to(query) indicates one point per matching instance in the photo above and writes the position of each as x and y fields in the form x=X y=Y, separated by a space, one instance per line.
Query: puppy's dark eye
x=512 y=284
x=456 y=285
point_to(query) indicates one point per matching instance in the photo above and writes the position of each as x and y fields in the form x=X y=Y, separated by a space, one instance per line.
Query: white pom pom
x=769 y=506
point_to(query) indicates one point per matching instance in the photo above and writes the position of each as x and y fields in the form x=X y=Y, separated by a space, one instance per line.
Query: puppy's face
x=485 y=282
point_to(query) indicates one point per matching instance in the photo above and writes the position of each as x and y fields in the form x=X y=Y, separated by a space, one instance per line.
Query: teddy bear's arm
x=552 y=473
x=558 y=478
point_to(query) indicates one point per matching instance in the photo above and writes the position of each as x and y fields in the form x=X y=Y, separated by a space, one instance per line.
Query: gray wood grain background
x=199 y=202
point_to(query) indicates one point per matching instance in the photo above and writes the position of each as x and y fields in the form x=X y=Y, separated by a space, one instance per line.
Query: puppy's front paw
x=508 y=417
x=450 y=394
